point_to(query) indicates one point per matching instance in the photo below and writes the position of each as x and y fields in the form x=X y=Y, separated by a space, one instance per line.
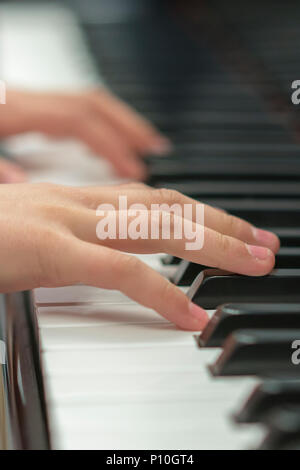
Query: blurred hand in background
x=11 y=172
x=107 y=125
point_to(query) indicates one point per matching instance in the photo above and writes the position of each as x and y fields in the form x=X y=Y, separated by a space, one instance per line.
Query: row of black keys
x=262 y=340
x=211 y=288
x=258 y=338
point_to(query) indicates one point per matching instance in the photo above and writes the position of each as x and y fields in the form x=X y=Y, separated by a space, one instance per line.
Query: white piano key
x=159 y=425
x=117 y=336
x=145 y=386
x=155 y=262
x=223 y=438
x=95 y=314
x=76 y=362
x=77 y=294
x=131 y=417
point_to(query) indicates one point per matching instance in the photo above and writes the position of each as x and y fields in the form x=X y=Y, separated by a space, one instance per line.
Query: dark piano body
x=216 y=77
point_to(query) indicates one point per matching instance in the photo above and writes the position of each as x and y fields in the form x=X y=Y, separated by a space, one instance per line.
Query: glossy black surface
x=232 y=188
x=283 y=426
x=24 y=424
x=266 y=397
x=231 y=317
x=169 y=260
x=286 y=258
x=263 y=352
x=213 y=287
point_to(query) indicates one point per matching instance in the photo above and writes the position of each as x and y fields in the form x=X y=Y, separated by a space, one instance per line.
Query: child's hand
x=48 y=238
x=107 y=125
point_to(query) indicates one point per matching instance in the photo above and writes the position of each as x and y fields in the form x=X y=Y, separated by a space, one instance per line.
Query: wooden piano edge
x=23 y=413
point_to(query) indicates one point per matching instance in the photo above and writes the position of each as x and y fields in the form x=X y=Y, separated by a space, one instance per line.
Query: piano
x=86 y=368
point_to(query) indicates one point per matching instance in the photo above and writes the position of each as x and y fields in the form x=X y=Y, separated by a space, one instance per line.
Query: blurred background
x=193 y=68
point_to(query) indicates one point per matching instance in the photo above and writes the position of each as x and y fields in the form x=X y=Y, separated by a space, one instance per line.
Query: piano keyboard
x=117 y=375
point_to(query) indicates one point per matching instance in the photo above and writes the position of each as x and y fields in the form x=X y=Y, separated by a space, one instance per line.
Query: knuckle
x=54 y=194
x=134 y=186
x=167 y=293
x=169 y=196
x=47 y=187
x=238 y=227
x=231 y=223
x=59 y=213
x=224 y=243
x=49 y=253
x=124 y=265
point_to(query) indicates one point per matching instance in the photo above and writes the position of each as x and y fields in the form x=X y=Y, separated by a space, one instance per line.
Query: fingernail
x=160 y=146
x=198 y=313
x=259 y=252
x=266 y=238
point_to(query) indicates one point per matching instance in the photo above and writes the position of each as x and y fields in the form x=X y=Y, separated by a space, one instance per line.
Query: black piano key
x=265 y=397
x=196 y=150
x=241 y=149
x=262 y=212
x=168 y=169
x=283 y=426
x=140 y=90
x=229 y=136
x=289 y=237
x=187 y=272
x=213 y=287
x=231 y=317
x=170 y=259
x=286 y=258
x=235 y=189
x=207 y=119
x=194 y=103
x=266 y=353
x=170 y=92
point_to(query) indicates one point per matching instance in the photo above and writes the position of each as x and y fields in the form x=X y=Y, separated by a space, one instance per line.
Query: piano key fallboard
x=217 y=81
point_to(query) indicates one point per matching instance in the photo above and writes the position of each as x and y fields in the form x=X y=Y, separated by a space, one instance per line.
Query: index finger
x=103 y=267
x=143 y=136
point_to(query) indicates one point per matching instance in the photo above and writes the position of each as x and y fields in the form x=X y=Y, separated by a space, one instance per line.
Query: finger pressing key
x=102 y=267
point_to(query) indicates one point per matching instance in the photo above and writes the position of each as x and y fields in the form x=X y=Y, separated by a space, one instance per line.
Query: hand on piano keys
x=104 y=123
x=49 y=239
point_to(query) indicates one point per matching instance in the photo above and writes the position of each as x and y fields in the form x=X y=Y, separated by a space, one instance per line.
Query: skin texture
x=48 y=238
x=107 y=125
